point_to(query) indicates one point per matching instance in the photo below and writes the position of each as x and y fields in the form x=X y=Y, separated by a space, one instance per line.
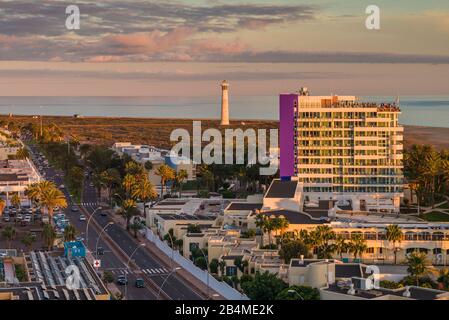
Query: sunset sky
x=185 y=47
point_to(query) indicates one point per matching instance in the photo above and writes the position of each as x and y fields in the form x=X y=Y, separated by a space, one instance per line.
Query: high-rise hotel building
x=343 y=150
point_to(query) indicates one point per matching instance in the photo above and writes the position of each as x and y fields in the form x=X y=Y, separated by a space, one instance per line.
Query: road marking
x=162 y=270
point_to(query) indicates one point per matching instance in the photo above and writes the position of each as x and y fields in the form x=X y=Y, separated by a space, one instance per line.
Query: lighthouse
x=224 y=103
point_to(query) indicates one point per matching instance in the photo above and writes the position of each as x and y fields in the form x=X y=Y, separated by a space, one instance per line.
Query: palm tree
x=358 y=245
x=144 y=190
x=128 y=183
x=166 y=173
x=180 y=177
x=2 y=206
x=15 y=200
x=9 y=233
x=51 y=198
x=443 y=278
x=129 y=210
x=341 y=246
x=417 y=265
x=393 y=235
x=69 y=233
x=283 y=225
x=49 y=235
x=260 y=223
x=28 y=240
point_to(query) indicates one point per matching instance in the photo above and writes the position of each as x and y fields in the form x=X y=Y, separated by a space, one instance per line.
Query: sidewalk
x=167 y=261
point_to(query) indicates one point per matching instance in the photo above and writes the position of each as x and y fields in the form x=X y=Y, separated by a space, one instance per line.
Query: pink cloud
x=207 y=46
x=147 y=43
x=106 y=59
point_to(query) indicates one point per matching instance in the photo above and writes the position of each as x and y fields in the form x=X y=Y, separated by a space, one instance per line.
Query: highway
x=150 y=268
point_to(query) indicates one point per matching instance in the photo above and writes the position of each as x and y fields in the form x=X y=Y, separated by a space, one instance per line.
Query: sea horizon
x=423 y=110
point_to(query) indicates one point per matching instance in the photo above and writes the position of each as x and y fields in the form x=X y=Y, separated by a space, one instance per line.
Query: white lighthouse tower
x=224 y=103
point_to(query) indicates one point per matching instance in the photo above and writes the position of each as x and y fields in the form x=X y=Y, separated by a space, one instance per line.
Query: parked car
x=19 y=217
x=74 y=209
x=45 y=218
x=103 y=213
x=6 y=218
x=100 y=251
x=82 y=217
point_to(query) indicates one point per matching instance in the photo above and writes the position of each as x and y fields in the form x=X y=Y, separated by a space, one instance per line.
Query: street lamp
x=127 y=265
x=165 y=280
x=172 y=249
x=207 y=272
x=87 y=226
x=99 y=236
x=291 y=291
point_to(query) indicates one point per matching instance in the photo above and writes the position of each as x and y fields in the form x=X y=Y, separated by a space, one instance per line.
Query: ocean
x=432 y=111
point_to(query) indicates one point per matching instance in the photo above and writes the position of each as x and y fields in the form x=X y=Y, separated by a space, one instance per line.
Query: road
x=149 y=267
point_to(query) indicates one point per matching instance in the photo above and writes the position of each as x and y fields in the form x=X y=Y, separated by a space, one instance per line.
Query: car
x=91 y=184
x=82 y=217
x=122 y=280
x=139 y=283
x=100 y=251
x=103 y=213
x=33 y=234
x=62 y=186
x=45 y=218
x=74 y=209
x=79 y=238
x=19 y=217
x=6 y=218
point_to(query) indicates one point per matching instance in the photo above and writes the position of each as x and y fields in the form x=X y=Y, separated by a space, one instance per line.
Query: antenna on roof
x=397 y=101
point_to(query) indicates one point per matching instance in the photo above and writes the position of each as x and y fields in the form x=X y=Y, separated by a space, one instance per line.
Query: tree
x=144 y=190
x=193 y=228
x=136 y=226
x=9 y=233
x=166 y=173
x=291 y=249
x=179 y=179
x=128 y=183
x=2 y=206
x=128 y=211
x=302 y=293
x=222 y=266
x=443 y=278
x=49 y=235
x=201 y=262
x=51 y=198
x=358 y=245
x=213 y=266
x=28 y=240
x=264 y=286
x=417 y=265
x=69 y=233
x=108 y=277
x=393 y=235
x=341 y=246
x=15 y=200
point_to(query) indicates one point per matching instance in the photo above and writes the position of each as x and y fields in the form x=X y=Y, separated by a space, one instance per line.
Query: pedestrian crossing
x=88 y=204
x=148 y=271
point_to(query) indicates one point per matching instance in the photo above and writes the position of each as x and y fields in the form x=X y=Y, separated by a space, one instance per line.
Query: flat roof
x=293 y=217
x=282 y=189
x=244 y=206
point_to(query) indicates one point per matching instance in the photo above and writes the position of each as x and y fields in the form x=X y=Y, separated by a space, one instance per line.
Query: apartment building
x=342 y=149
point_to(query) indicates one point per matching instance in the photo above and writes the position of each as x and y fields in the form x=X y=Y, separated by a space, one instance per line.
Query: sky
x=186 y=47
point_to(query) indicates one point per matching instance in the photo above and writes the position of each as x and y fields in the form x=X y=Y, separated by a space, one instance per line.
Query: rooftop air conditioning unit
x=362 y=283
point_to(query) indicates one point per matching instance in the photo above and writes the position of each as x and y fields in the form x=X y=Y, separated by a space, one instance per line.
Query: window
x=231 y=271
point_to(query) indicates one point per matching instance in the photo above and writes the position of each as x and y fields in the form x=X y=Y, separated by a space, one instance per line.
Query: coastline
x=156 y=131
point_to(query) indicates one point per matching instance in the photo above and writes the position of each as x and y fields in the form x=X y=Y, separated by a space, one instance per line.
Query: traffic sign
x=97 y=264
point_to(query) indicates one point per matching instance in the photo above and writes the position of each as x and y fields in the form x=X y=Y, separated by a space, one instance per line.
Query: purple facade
x=287 y=134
